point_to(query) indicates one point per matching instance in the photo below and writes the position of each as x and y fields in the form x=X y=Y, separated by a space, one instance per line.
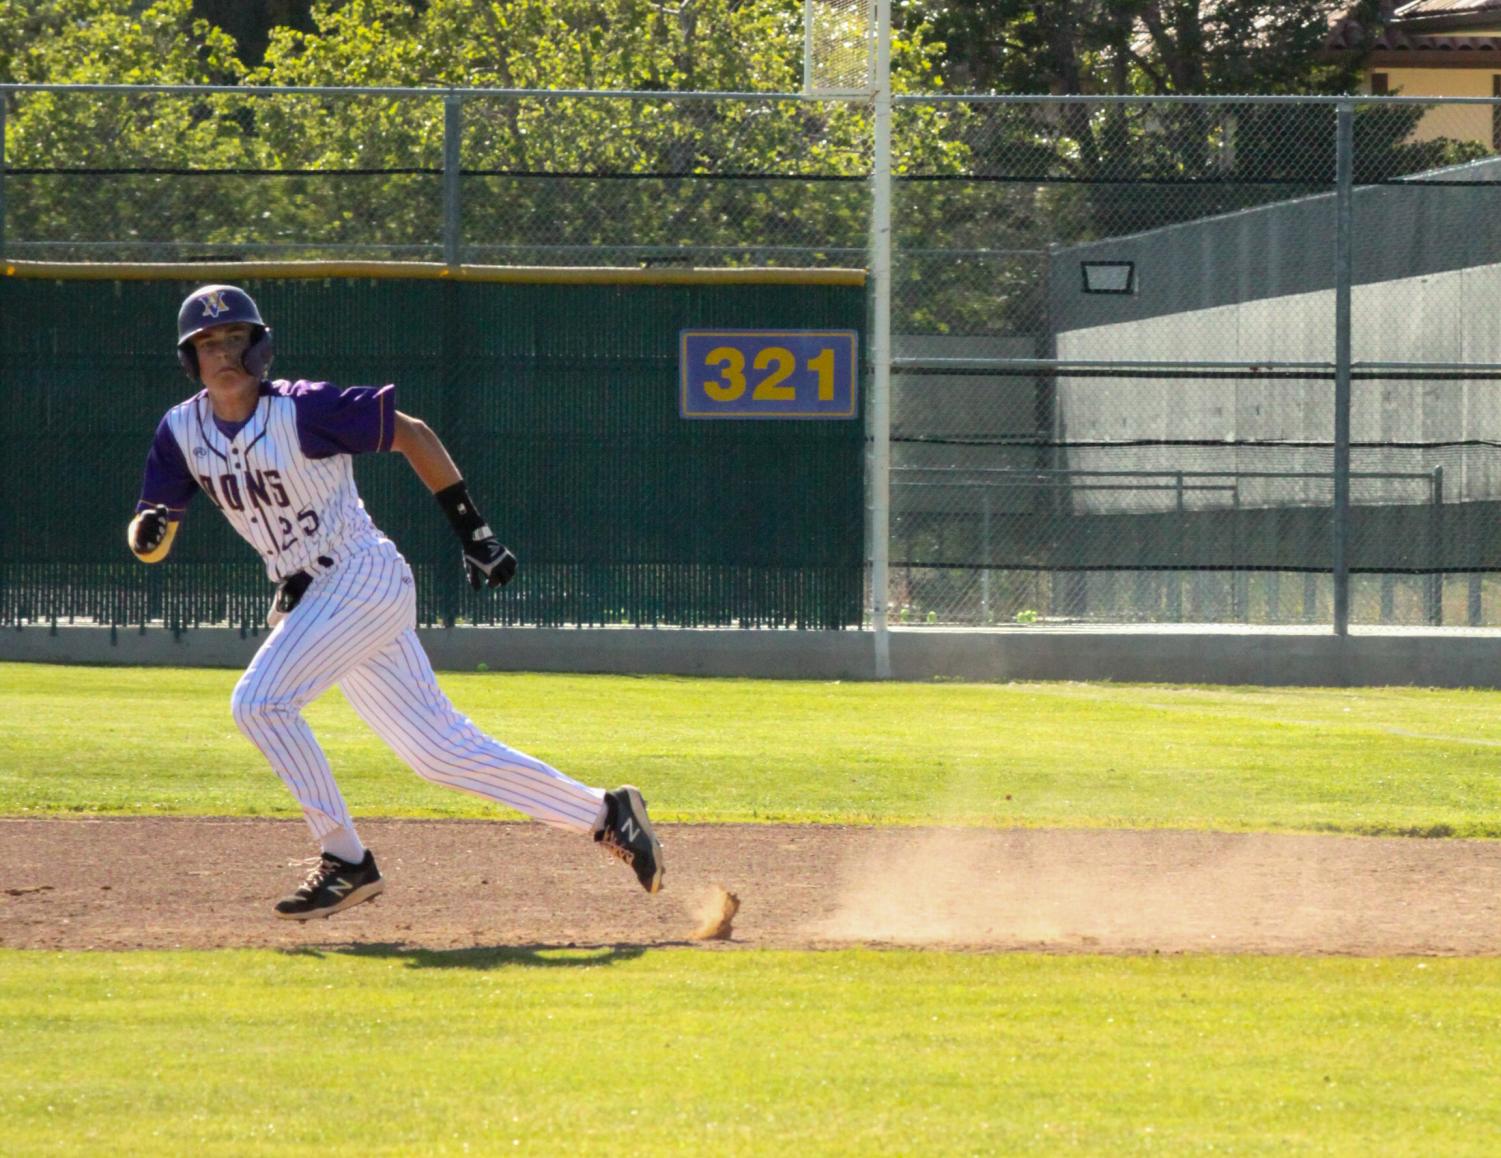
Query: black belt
x=289 y=591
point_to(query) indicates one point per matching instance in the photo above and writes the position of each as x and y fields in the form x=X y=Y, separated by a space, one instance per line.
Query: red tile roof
x=1435 y=9
x=1428 y=26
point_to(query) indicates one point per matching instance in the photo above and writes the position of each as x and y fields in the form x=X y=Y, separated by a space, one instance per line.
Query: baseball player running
x=276 y=458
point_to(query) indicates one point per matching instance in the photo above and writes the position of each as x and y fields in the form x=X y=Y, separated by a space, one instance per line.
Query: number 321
x=782 y=363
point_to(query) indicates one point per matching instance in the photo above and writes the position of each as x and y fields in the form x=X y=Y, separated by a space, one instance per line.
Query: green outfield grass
x=1393 y=760
x=386 y=1050
x=379 y=1051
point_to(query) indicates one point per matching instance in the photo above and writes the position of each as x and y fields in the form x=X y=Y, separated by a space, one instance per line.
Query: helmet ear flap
x=189 y=359
x=257 y=356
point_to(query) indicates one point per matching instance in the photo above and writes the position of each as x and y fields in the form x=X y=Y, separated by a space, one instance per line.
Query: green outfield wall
x=557 y=392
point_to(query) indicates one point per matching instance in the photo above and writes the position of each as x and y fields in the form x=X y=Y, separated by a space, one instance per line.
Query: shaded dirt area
x=209 y=883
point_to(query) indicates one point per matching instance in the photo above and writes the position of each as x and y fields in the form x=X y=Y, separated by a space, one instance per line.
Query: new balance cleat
x=333 y=886
x=628 y=834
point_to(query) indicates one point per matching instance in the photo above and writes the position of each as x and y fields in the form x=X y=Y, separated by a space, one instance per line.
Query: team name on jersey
x=263 y=488
x=264 y=491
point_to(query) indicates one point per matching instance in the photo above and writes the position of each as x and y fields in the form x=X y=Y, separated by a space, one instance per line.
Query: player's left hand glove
x=148 y=529
x=487 y=562
x=150 y=534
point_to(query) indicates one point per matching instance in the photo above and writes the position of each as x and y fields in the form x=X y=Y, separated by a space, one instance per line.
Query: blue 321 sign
x=767 y=374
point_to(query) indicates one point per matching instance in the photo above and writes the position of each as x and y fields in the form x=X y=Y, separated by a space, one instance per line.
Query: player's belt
x=289 y=591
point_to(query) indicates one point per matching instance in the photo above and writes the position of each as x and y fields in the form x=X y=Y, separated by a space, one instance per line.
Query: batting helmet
x=219 y=305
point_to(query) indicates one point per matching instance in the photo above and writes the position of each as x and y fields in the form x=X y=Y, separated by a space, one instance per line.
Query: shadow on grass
x=1435 y=831
x=536 y=956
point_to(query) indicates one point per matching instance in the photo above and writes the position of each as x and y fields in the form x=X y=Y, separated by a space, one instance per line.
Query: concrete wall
x=1188 y=654
x=1256 y=287
x=955 y=411
x=1438 y=317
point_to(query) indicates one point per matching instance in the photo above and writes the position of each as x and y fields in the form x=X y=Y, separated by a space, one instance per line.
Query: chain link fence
x=1227 y=360
x=515 y=178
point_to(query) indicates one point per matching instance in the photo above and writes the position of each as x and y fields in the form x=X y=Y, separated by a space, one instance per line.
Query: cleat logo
x=629 y=829
x=339 y=887
x=213 y=304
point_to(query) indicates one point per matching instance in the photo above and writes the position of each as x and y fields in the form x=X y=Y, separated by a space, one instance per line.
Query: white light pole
x=880 y=347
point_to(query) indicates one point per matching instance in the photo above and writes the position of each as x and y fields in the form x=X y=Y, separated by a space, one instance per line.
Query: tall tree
x=76 y=41
x=689 y=160
x=1169 y=48
x=1144 y=47
x=250 y=22
x=61 y=136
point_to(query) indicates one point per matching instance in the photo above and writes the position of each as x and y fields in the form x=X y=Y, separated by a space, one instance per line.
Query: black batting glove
x=487 y=562
x=149 y=530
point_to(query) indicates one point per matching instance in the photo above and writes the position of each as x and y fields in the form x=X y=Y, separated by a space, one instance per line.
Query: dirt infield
x=208 y=883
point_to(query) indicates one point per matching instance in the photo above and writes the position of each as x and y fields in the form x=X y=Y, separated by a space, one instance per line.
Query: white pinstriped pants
x=356 y=627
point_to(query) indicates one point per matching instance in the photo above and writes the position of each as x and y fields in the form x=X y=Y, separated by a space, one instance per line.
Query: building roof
x=1432 y=28
x=1397 y=40
x=1446 y=10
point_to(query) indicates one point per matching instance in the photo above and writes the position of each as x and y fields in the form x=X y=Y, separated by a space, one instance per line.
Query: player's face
x=220 y=353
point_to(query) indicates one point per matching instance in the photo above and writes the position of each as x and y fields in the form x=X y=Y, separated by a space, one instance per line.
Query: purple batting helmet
x=219 y=305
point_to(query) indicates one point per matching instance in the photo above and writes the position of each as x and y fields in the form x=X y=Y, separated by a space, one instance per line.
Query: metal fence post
x=453 y=109
x=3 y=97
x=5 y=290
x=1240 y=582
x=453 y=106
x=880 y=350
x=1435 y=590
x=1344 y=170
x=986 y=552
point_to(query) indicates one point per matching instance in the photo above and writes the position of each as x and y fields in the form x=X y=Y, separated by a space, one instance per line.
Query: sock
x=345 y=844
x=606 y=814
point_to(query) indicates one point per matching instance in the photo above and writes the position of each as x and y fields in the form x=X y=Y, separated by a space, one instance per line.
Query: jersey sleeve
x=352 y=420
x=167 y=480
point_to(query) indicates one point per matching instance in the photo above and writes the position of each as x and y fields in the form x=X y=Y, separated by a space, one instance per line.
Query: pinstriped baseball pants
x=356 y=627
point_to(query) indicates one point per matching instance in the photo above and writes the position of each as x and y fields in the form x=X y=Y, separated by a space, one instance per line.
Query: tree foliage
x=92 y=41
x=553 y=176
x=1141 y=47
x=541 y=172
x=96 y=41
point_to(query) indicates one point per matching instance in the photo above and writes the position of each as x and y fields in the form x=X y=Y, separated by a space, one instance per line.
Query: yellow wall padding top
x=427 y=271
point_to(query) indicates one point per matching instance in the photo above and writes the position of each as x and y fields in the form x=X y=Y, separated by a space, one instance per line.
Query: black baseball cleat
x=332 y=886
x=628 y=835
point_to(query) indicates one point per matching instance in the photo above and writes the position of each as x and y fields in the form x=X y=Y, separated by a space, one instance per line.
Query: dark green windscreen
x=559 y=402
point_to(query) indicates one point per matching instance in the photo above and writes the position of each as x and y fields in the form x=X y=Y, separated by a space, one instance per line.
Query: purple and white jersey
x=284 y=480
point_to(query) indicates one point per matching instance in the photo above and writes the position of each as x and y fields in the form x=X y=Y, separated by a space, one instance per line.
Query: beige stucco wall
x=1459 y=122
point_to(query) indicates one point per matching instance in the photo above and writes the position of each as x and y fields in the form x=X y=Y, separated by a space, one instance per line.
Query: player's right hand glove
x=148 y=529
x=487 y=562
